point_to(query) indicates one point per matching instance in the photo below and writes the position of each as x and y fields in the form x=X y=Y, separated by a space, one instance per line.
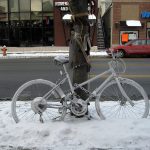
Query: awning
x=68 y=17
x=133 y=23
x=130 y=23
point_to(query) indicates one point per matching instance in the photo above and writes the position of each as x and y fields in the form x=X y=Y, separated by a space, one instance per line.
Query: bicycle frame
x=112 y=75
x=94 y=93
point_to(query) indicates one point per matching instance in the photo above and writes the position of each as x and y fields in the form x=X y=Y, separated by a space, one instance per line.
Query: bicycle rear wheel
x=112 y=104
x=28 y=102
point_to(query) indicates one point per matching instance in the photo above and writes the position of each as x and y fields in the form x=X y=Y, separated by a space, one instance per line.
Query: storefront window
x=47 y=5
x=48 y=36
x=48 y=29
x=36 y=19
x=36 y=30
x=24 y=16
x=14 y=19
x=126 y=36
x=26 y=22
x=25 y=19
x=13 y=6
x=36 y=5
x=3 y=6
x=3 y=20
x=48 y=19
x=4 y=40
x=24 y=5
x=14 y=29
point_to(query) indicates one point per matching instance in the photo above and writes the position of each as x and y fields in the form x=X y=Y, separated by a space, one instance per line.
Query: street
x=15 y=72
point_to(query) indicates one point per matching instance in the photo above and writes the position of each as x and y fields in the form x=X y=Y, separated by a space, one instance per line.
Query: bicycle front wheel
x=113 y=105
x=29 y=104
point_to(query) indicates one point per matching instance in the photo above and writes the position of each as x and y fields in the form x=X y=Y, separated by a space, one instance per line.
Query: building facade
x=34 y=23
x=126 y=20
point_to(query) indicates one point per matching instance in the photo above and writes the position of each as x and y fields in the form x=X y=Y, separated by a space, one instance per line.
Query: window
x=13 y=6
x=36 y=5
x=126 y=36
x=26 y=22
x=47 y=5
x=3 y=6
x=25 y=19
x=148 y=42
x=25 y=5
x=47 y=19
x=142 y=42
x=148 y=24
x=36 y=19
x=14 y=19
x=139 y=42
x=4 y=40
x=3 y=19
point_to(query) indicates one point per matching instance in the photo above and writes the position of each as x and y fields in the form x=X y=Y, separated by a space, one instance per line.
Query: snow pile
x=44 y=54
x=74 y=134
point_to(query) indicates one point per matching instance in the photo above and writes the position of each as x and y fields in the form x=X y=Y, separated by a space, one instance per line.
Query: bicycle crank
x=39 y=105
x=79 y=107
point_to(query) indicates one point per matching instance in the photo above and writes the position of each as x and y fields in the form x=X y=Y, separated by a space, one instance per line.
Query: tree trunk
x=79 y=44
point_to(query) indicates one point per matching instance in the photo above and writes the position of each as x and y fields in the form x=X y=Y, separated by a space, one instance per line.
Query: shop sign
x=63 y=5
x=145 y=14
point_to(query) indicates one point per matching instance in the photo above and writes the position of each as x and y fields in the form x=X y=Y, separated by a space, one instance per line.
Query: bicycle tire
x=22 y=101
x=111 y=104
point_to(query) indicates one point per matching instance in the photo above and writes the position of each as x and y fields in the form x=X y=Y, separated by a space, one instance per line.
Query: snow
x=73 y=134
x=35 y=54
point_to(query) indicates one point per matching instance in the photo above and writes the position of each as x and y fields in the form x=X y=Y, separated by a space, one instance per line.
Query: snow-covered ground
x=34 y=54
x=74 y=134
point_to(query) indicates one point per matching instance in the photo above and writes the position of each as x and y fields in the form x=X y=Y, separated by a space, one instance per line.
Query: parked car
x=134 y=47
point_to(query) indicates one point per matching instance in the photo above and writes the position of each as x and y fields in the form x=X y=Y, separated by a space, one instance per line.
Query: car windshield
x=128 y=43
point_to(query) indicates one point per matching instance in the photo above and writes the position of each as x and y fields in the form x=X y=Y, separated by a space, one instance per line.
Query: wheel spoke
x=37 y=106
x=112 y=104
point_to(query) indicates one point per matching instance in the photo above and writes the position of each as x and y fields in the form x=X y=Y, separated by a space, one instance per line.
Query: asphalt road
x=15 y=72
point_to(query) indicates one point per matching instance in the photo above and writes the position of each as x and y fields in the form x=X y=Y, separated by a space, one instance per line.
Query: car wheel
x=120 y=54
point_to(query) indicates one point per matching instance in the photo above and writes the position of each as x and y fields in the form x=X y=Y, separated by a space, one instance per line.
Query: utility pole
x=79 y=44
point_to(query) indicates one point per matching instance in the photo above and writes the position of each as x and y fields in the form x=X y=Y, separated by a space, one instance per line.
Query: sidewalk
x=49 y=51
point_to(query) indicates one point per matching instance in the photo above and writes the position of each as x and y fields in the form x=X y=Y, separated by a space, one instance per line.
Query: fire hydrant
x=4 y=49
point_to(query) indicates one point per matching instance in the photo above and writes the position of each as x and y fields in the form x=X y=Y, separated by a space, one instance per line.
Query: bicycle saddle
x=60 y=60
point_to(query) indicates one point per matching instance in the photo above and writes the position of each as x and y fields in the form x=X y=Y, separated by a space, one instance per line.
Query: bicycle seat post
x=68 y=78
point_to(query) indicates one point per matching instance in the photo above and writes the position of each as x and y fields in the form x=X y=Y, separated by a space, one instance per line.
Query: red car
x=134 y=47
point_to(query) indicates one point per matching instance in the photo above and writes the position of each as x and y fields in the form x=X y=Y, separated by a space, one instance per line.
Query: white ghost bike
x=116 y=97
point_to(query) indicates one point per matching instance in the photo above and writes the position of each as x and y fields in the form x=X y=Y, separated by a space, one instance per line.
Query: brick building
x=126 y=20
